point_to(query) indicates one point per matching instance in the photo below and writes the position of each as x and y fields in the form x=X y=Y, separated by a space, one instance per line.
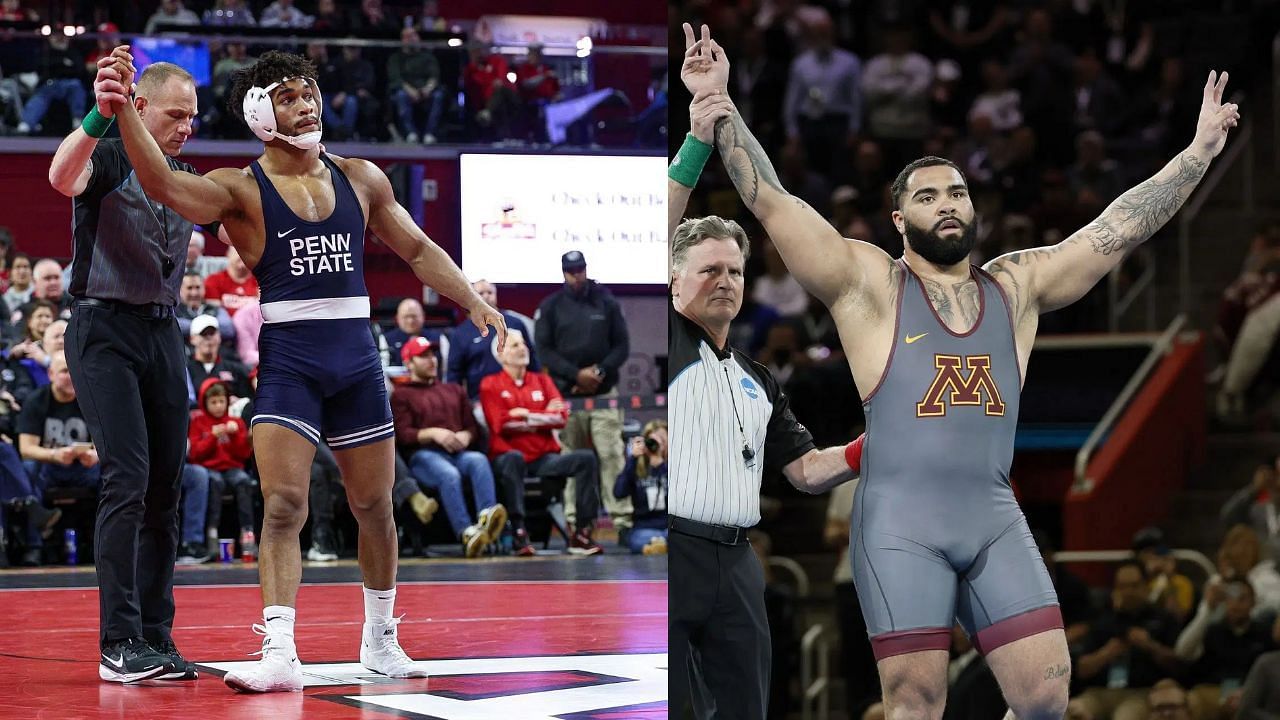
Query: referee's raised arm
x=71 y=168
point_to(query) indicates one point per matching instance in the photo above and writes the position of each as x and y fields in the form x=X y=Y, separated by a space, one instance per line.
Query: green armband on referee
x=687 y=165
x=94 y=125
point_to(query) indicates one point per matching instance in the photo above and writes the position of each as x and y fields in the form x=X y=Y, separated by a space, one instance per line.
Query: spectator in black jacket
x=1223 y=644
x=582 y=339
x=341 y=108
x=413 y=83
x=62 y=76
x=644 y=480
x=356 y=78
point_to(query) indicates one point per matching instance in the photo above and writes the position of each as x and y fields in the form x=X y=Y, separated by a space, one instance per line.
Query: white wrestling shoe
x=380 y=652
x=277 y=671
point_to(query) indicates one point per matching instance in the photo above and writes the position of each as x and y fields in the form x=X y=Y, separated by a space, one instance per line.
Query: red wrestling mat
x=510 y=650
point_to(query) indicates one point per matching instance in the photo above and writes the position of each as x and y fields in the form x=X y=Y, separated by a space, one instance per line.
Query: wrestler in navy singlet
x=937 y=534
x=319 y=373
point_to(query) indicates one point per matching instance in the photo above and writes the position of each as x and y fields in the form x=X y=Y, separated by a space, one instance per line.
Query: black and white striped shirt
x=127 y=247
x=719 y=402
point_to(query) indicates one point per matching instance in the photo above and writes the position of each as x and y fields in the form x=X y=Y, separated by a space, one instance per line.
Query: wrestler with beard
x=938 y=349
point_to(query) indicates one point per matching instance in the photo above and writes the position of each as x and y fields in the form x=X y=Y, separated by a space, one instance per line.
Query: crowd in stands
x=1050 y=109
x=424 y=91
x=475 y=427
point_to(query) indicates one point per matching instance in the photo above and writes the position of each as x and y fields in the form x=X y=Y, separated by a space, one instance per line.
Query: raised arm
x=433 y=266
x=71 y=168
x=197 y=198
x=708 y=107
x=826 y=264
x=1048 y=278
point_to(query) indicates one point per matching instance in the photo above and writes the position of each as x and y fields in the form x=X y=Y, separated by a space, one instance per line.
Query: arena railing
x=1194 y=557
x=815 y=674
x=1159 y=349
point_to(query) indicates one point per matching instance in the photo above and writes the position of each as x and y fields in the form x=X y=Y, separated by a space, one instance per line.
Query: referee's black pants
x=129 y=374
x=719 y=633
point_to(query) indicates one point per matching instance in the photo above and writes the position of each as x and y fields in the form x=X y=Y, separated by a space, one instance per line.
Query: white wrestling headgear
x=260 y=114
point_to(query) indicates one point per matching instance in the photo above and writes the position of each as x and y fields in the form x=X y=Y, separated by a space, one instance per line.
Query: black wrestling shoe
x=183 y=669
x=131 y=660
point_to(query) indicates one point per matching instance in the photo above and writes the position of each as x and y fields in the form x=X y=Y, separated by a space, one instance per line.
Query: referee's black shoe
x=131 y=660
x=183 y=669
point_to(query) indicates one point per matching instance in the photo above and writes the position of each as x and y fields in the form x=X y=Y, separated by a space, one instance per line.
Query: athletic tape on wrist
x=687 y=164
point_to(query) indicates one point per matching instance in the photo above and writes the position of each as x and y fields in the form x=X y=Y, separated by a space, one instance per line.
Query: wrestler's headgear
x=260 y=114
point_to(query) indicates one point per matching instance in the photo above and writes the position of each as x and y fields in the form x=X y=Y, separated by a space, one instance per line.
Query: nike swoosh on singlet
x=912 y=338
x=286 y=232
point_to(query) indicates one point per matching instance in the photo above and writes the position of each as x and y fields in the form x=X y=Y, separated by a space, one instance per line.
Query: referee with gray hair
x=128 y=363
x=729 y=422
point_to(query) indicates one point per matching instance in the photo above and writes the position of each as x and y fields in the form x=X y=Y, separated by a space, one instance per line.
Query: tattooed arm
x=826 y=264
x=1048 y=278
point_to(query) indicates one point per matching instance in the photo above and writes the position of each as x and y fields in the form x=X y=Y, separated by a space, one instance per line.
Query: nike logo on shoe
x=912 y=338
x=114 y=662
x=286 y=232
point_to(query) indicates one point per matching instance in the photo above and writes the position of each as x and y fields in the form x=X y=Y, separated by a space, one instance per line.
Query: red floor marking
x=441 y=620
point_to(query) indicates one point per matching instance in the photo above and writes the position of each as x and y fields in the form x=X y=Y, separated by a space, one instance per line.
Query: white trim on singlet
x=362 y=436
x=306 y=429
x=317 y=309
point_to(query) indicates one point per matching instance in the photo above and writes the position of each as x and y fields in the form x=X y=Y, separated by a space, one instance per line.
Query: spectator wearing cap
x=523 y=409
x=472 y=357
x=1221 y=643
x=583 y=340
x=435 y=427
x=193 y=305
x=206 y=360
x=199 y=263
x=1169 y=589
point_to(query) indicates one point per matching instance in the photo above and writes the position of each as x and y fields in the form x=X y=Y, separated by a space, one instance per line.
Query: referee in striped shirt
x=127 y=361
x=730 y=422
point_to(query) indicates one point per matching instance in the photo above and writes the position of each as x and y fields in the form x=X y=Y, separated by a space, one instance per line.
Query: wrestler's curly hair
x=271 y=67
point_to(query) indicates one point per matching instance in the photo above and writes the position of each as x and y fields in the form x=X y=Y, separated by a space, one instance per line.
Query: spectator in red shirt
x=232 y=288
x=535 y=79
x=220 y=444
x=435 y=425
x=522 y=408
x=490 y=95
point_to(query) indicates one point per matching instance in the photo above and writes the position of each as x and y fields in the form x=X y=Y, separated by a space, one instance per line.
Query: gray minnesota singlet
x=936 y=532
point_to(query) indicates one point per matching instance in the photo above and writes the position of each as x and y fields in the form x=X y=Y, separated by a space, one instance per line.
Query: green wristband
x=94 y=124
x=687 y=165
